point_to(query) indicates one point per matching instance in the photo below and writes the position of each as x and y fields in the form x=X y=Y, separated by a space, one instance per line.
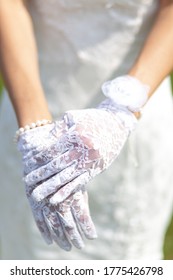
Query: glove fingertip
x=53 y=201
x=91 y=234
x=59 y=197
x=92 y=237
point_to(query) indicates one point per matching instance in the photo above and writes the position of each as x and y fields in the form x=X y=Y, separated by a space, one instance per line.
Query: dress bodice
x=81 y=43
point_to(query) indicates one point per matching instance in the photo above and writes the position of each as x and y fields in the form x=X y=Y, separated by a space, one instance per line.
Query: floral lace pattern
x=127 y=91
x=61 y=158
x=68 y=222
x=95 y=138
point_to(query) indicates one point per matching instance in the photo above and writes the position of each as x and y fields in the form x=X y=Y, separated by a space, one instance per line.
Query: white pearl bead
x=44 y=122
x=32 y=125
x=27 y=127
x=21 y=130
x=38 y=123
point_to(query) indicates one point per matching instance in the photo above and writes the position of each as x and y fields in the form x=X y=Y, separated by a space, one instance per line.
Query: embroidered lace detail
x=66 y=223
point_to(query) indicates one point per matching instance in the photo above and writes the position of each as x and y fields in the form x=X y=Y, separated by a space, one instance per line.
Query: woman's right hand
x=67 y=222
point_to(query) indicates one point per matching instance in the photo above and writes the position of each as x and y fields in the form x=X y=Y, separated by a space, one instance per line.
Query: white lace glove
x=94 y=139
x=70 y=221
x=67 y=222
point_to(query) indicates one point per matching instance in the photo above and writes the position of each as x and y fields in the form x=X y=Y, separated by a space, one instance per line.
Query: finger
x=42 y=226
x=69 y=225
x=81 y=213
x=54 y=183
x=56 y=228
x=54 y=166
x=70 y=188
x=62 y=144
x=46 y=155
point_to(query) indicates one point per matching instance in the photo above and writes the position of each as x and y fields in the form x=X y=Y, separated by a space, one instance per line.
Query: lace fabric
x=126 y=202
x=68 y=222
x=83 y=144
x=70 y=153
x=127 y=91
x=93 y=140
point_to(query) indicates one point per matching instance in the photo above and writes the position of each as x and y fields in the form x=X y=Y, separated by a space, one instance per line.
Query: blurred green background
x=168 y=244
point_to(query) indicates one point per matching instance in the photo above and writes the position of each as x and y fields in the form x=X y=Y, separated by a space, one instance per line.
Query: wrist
x=137 y=114
x=32 y=109
x=28 y=119
x=30 y=126
x=127 y=118
x=29 y=102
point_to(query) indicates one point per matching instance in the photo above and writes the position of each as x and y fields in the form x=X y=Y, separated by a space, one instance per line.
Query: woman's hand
x=62 y=157
x=92 y=142
x=68 y=222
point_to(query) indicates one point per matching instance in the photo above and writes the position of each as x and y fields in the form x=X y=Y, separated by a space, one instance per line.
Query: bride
x=56 y=57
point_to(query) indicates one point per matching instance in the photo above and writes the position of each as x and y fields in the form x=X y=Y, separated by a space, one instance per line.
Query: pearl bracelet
x=30 y=126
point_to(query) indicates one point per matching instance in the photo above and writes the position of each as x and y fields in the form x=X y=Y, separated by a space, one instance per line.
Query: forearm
x=19 y=63
x=155 y=61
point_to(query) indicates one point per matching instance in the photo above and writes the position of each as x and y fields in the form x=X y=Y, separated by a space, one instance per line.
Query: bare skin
x=19 y=61
x=155 y=61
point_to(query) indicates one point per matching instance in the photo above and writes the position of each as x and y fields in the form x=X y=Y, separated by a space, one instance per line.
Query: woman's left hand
x=95 y=138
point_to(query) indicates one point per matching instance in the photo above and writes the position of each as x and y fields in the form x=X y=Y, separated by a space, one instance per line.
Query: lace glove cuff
x=125 y=117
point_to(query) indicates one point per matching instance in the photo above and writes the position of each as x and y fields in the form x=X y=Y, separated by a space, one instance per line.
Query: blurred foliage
x=168 y=244
x=1 y=86
x=172 y=81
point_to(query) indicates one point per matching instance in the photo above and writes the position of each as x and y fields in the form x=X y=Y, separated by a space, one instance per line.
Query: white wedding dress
x=81 y=44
